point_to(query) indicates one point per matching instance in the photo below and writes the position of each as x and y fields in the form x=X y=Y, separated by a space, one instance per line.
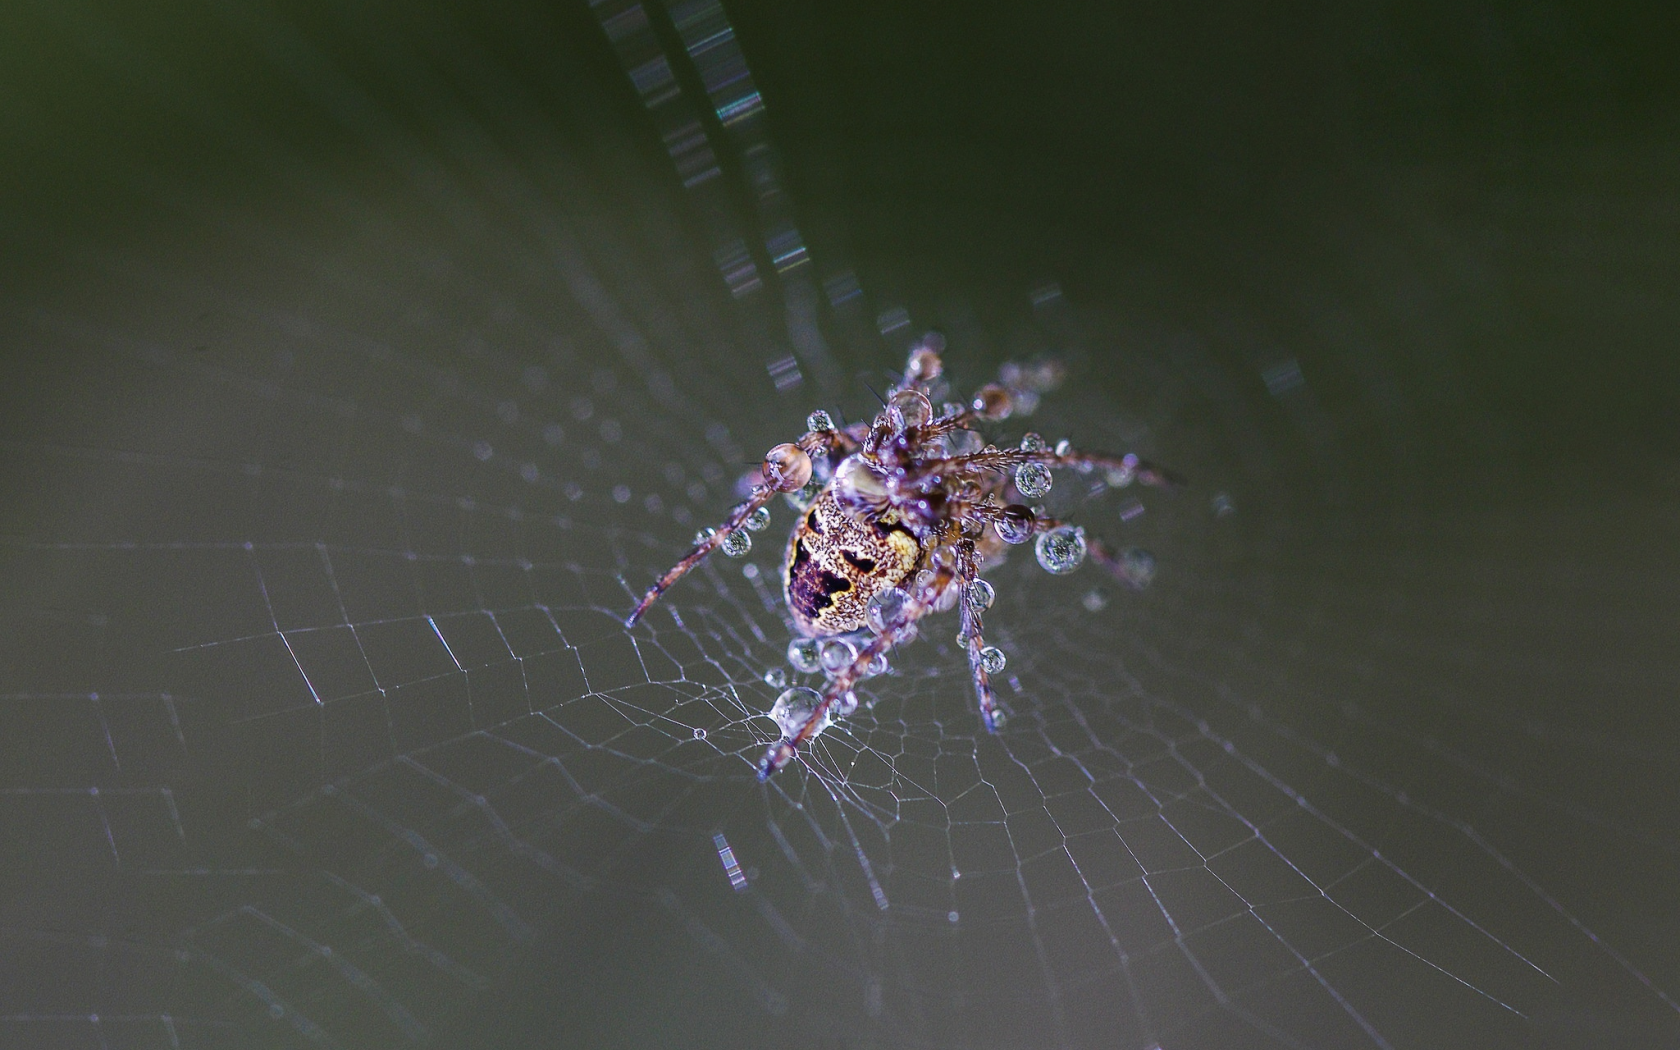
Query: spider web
x=322 y=726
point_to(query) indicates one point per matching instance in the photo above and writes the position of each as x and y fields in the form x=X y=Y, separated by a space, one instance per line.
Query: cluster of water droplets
x=1060 y=551
x=736 y=542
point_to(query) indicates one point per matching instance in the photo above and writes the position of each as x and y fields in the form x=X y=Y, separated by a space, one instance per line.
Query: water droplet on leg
x=887 y=609
x=805 y=654
x=793 y=709
x=737 y=543
x=1062 y=549
x=1033 y=480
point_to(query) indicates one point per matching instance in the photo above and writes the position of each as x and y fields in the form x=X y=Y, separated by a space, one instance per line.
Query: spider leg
x=990 y=717
x=761 y=495
x=1099 y=552
x=922 y=601
x=1124 y=469
x=786 y=468
x=1128 y=467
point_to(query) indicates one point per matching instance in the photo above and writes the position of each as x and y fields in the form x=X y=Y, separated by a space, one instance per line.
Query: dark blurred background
x=1396 y=282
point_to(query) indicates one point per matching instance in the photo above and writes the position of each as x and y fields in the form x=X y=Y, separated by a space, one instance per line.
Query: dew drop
x=1123 y=475
x=998 y=719
x=980 y=595
x=962 y=443
x=843 y=706
x=801 y=499
x=758 y=520
x=922 y=581
x=1031 y=442
x=909 y=408
x=775 y=678
x=837 y=654
x=1015 y=524
x=793 y=709
x=1063 y=447
x=703 y=535
x=819 y=421
x=737 y=543
x=805 y=654
x=699 y=732
x=992 y=659
x=886 y=609
x=1033 y=479
x=878 y=665
x=1137 y=567
x=1062 y=550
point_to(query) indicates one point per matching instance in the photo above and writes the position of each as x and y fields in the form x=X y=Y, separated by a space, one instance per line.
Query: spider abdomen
x=837 y=561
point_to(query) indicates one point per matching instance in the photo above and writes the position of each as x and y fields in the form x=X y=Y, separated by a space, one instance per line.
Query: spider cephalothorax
x=898 y=518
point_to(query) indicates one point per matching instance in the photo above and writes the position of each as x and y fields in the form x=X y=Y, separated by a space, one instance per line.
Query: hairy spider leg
x=922 y=602
x=813 y=443
x=1130 y=466
x=1141 y=470
x=968 y=572
x=1098 y=551
x=761 y=495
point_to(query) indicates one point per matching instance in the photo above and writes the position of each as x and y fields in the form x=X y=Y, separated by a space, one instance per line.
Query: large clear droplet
x=909 y=408
x=758 y=520
x=992 y=659
x=887 y=609
x=819 y=421
x=1015 y=524
x=737 y=543
x=837 y=655
x=1031 y=442
x=1033 y=480
x=857 y=487
x=1062 y=550
x=794 y=708
x=805 y=654
x=980 y=595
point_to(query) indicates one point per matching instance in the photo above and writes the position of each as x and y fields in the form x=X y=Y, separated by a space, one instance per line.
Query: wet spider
x=899 y=517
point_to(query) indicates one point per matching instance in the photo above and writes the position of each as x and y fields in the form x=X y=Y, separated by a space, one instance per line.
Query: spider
x=899 y=516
